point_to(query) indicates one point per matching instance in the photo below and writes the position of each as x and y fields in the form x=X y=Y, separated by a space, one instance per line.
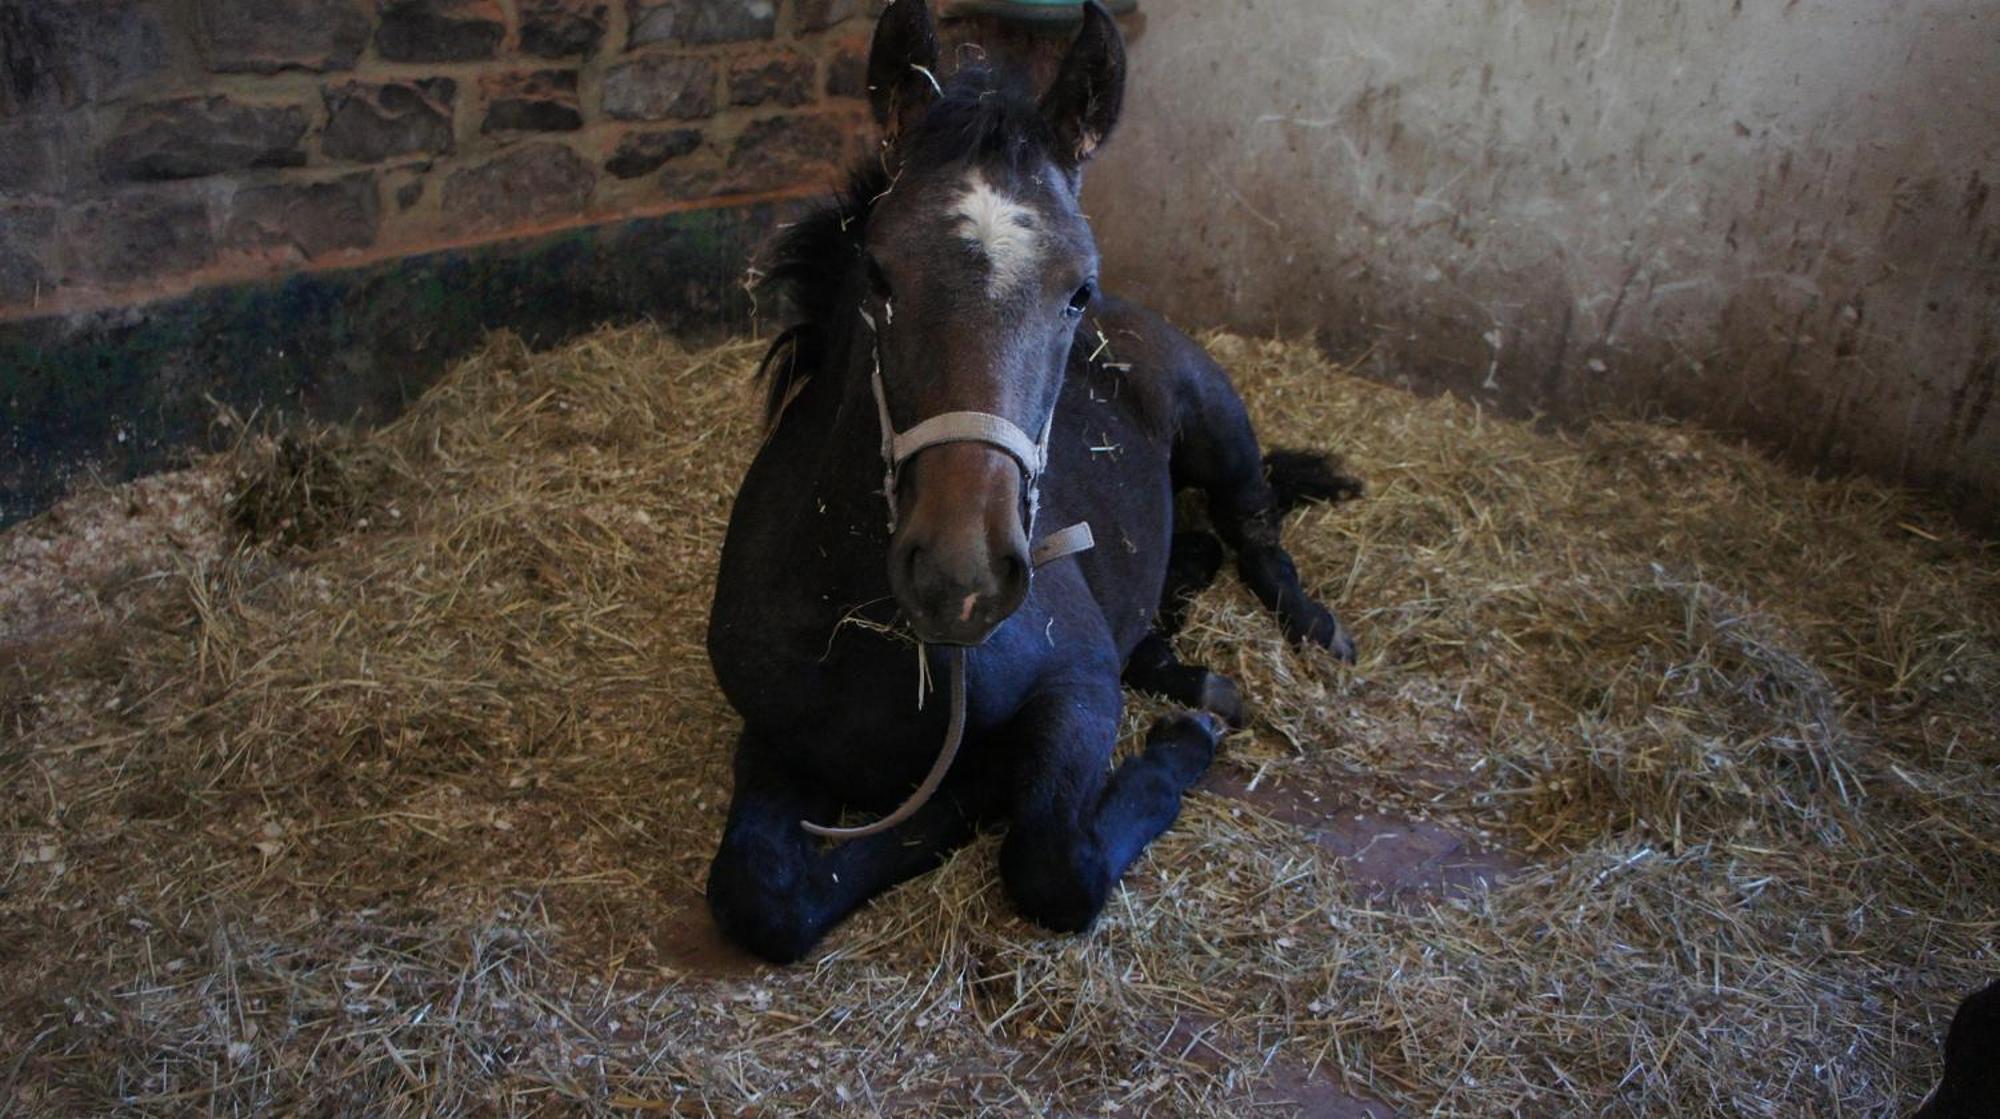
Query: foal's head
x=975 y=271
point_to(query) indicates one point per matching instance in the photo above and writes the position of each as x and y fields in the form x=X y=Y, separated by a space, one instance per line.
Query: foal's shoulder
x=1135 y=332
x=1153 y=354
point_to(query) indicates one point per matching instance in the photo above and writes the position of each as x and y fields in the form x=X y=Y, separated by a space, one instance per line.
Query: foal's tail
x=1297 y=477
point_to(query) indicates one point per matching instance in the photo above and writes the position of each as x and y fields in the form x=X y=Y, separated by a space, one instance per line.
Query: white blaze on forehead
x=1002 y=228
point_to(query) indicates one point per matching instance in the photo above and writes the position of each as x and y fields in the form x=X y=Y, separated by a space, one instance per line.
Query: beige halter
x=899 y=448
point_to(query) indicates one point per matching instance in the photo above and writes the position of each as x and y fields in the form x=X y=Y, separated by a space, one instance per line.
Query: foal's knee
x=756 y=911
x=1060 y=889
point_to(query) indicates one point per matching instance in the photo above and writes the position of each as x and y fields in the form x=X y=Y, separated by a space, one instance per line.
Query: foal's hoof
x=1220 y=697
x=1315 y=624
x=1185 y=744
x=1342 y=645
x=1217 y=728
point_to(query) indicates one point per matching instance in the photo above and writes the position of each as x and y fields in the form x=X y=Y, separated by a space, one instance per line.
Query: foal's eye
x=1081 y=299
x=878 y=280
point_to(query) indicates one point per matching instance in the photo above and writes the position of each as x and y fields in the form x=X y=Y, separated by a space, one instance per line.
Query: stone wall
x=151 y=147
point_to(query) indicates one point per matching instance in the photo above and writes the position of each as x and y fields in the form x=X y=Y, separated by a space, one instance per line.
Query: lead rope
x=954 y=733
x=956 y=427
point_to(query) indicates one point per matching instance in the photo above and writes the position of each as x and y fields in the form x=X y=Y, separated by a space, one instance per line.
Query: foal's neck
x=847 y=512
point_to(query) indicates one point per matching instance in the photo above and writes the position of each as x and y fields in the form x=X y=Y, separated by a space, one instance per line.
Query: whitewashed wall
x=1772 y=216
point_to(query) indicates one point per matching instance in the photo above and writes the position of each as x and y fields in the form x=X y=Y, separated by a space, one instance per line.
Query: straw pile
x=401 y=802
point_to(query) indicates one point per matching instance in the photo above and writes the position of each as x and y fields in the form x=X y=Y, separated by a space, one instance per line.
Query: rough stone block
x=310 y=219
x=440 y=30
x=641 y=153
x=847 y=72
x=76 y=52
x=659 y=88
x=195 y=136
x=34 y=153
x=27 y=248
x=531 y=101
x=779 y=153
x=700 y=21
x=266 y=36
x=561 y=28
x=138 y=234
x=689 y=183
x=783 y=79
x=532 y=183
x=818 y=15
x=370 y=123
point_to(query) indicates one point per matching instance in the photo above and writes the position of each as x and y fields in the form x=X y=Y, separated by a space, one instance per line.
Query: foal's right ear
x=1089 y=90
x=902 y=66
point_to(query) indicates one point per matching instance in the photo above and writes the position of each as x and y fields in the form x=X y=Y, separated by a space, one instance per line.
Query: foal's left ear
x=1083 y=103
x=902 y=66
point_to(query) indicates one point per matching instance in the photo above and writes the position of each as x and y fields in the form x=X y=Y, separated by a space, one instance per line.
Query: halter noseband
x=1032 y=455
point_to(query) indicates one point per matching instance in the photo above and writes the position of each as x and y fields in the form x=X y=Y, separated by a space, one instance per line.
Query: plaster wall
x=1771 y=217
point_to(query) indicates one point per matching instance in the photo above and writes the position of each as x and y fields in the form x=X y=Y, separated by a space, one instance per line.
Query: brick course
x=62 y=55
x=660 y=87
x=190 y=137
x=528 y=184
x=695 y=22
x=34 y=153
x=266 y=36
x=440 y=30
x=562 y=28
x=27 y=247
x=150 y=146
x=641 y=153
x=531 y=101
x=305 y=221
x=128 y=237
x=785 y=78
x=371 y=123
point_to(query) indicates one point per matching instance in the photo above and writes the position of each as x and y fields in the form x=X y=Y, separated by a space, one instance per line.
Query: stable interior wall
x=1771 y=218
x=307 y=207
x=154 y=147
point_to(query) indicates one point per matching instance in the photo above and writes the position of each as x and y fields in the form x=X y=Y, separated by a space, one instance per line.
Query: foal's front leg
x=1154 y=667
x=776 y=890
x=1216 y=450
x=1075 y=830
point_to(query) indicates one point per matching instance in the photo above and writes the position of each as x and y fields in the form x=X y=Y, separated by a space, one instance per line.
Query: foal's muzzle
x=959 y=562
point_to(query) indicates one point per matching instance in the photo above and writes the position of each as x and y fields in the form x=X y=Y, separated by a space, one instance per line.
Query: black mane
x=983 y=117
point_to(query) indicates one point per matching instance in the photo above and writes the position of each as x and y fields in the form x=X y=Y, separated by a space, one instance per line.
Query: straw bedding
x=388 y=788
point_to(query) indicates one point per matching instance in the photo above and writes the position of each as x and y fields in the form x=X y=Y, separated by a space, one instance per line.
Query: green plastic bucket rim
x=1037 y=11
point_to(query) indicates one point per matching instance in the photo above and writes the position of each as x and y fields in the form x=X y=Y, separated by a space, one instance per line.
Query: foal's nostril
x=1012 y=571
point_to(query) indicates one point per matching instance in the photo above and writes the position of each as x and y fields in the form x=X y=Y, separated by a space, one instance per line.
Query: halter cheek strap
x=973 y=427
